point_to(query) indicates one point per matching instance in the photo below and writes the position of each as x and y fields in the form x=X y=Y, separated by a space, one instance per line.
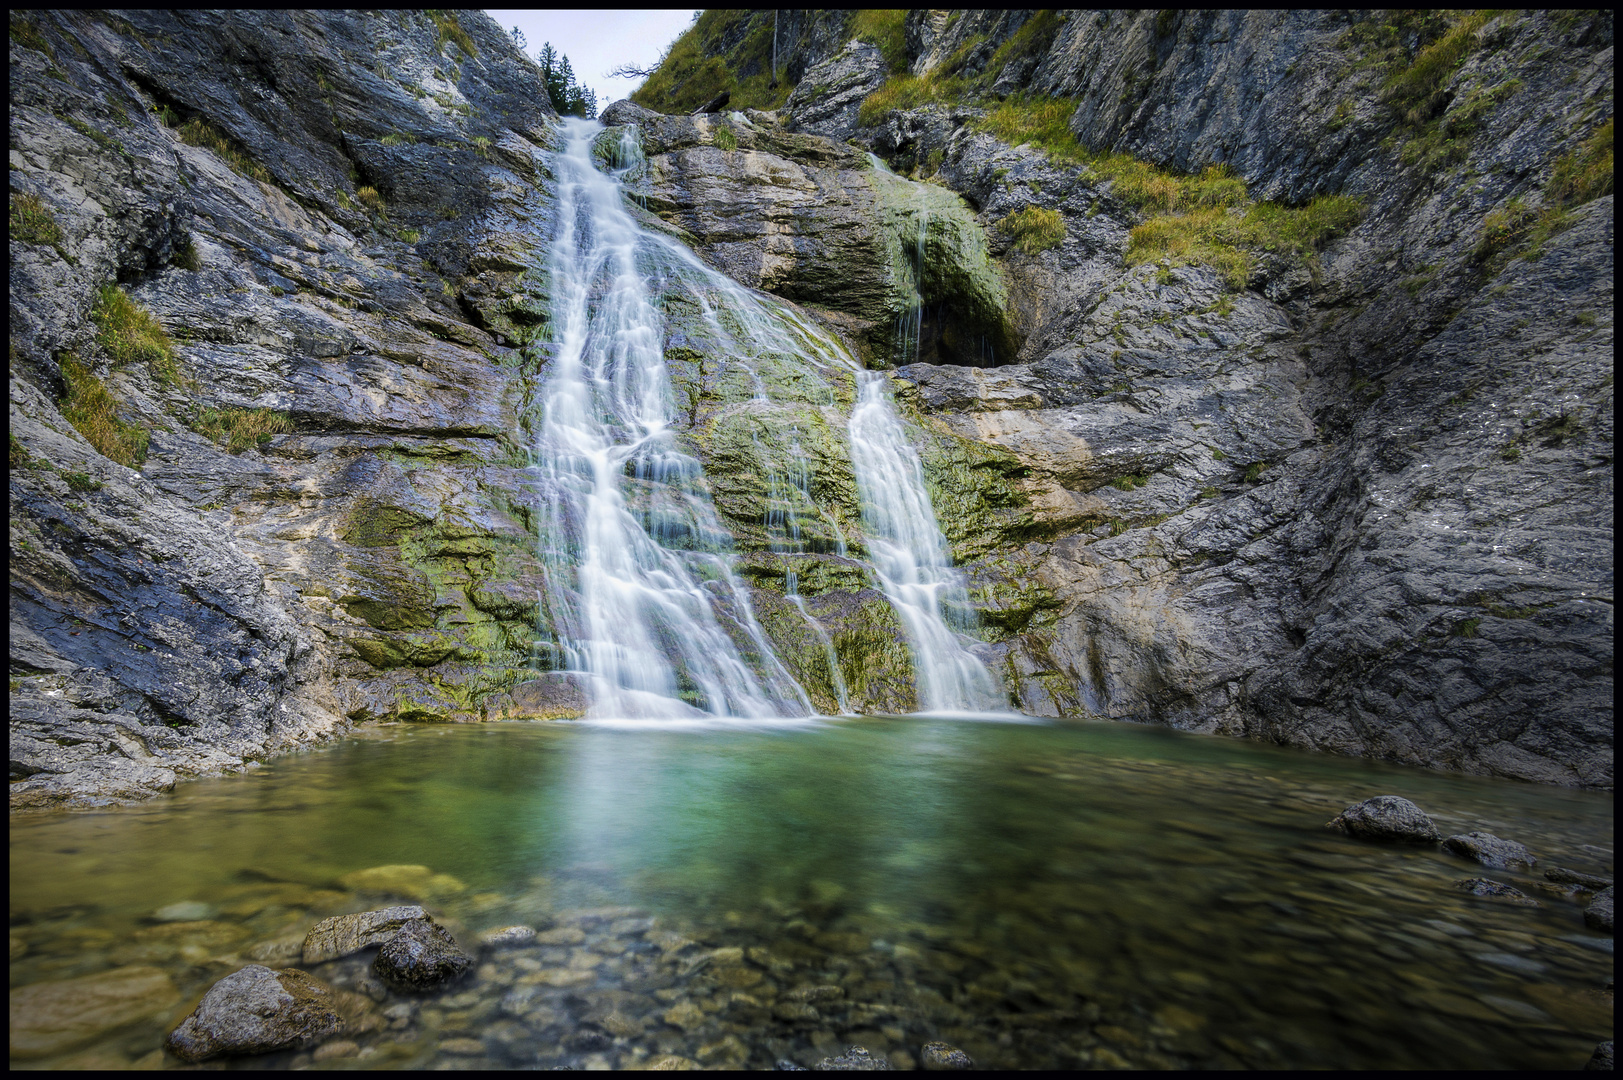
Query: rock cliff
x=1321 y=454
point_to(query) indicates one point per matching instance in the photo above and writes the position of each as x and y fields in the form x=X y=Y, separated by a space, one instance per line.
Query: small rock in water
x=855 y=1059
x=422 y=956
x=1484 y=887
x=1387 y=817
x=1489 y=850
x=1598 y=915
x=942 y=1056
x=1602 y=1059
x=257 y=1010
x=785 y=1065
x=507 y=937
x=342 y=935
x=185 y=911
x=1563 y=876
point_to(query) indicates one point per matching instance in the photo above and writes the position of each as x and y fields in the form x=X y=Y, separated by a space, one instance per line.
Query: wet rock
x=855 y=1059
x=51 y=1017
x=1387 y=817
x=587 y=1041
x=257 y=1010
x=332 y=1051
x=421 y=956
x=940 y=1056
x=416 y=882
x=507 y=937
x=1598 y=915
x=342 y=935
x=465 y=1047
x=1489 y=850
x=785 y=1065
x=684 y=1015
x=1561 y=875
x=1495 y=890
x=1602 y=1060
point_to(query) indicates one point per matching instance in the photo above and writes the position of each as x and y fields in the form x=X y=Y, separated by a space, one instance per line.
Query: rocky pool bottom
x=1038 y=895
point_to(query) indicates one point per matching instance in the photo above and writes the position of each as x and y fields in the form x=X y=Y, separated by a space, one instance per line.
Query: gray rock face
x=420 y=956
x=254 y=1011
x=1489 y=850
x=342 y=935
x=1598 y=915
x=1387 y=817
x=826 y=100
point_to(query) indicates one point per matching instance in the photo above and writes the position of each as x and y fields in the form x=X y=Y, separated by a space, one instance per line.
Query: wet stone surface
x=939 y=895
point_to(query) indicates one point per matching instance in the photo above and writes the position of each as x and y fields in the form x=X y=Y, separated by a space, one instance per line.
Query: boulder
x=1598 y=915
x=855 y=1059
x=342 y=935
x=941 y=1057
x=257 y=1010
x=1387 y=817
x=422 y=956
x=1496 y=890
x=49 y=1018
x=1489 y=850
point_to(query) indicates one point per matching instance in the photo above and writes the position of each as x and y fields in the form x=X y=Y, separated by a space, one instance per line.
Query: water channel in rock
x=1039 y=894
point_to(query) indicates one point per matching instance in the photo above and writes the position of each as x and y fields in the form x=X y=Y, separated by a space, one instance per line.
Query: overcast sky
x=596 y=41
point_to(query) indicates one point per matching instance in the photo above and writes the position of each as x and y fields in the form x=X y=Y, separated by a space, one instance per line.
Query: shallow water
x=1041 y=895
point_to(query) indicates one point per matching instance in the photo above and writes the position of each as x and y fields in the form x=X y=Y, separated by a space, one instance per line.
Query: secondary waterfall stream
x=642 y=596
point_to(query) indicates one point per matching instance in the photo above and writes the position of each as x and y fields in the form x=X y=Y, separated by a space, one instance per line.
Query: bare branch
x=630 y=71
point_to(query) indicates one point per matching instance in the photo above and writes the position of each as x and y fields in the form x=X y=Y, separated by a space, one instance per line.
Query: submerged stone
x=940 y=1056
x=507 y=937
x=1489 y=850
x=416 y=882
x=1387 y=817
x=1561 y=875
x=51 y=1017
x=1496 y=890
x=257 y=1010
x=855 y=1059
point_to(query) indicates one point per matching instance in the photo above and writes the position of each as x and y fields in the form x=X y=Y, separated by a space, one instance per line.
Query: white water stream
x=641 y=593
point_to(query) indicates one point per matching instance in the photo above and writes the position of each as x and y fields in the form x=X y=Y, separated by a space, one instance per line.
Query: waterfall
x=641 y=596
x=640 y=587
x=910 y=555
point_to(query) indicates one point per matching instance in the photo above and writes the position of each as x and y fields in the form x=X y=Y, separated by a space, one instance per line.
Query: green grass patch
x=81 y=482
x=1034 y=229
x=448 y=29
x=199 y=132
x=1254 y=470
x=129 y=334
x=1130 y=482
x=885 y=29
x=241 y=429
x=30 y=221
x=1417 y=91
x=1585 y=173
x=698 y=66
x=724 y=138
x=89 y=407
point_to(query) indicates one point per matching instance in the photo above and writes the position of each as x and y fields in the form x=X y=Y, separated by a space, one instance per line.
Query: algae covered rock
x=257 y=1010
x=342 y=935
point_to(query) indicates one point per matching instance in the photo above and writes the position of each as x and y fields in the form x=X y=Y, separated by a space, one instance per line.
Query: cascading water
x=641 y=593
x=910 y=555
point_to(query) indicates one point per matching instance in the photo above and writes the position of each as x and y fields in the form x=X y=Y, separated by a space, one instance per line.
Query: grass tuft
x=1585 y=173
x=199 y=132
x=241 y=429
x=90 y=408
x=31 y=221
x=447 y=28
x=129 y=334
x=1034 y=229
x=884 y=28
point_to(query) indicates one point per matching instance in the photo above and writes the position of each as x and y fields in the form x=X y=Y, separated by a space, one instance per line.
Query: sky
x=596 y=41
